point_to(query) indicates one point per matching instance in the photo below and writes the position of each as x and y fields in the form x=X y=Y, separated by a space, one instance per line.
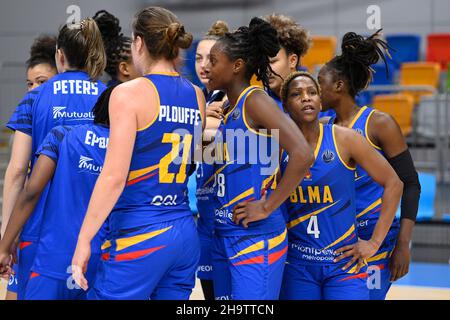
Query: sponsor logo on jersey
x=60 y=112
x=87 y=164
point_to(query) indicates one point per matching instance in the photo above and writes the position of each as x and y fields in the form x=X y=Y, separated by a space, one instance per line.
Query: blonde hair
x=217 y=30
x=83 y=47
x=162 y=32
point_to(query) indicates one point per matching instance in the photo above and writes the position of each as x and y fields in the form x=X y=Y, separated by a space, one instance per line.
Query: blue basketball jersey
x=205 y=184
x=156 y=190
x=65 y=99
x=79 y=153
x=321 y=210
x=248 y=170
x=276 y=98
x=368 y=192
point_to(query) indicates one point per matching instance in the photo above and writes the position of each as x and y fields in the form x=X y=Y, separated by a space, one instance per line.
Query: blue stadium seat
x=406 y=46
x=427 y=197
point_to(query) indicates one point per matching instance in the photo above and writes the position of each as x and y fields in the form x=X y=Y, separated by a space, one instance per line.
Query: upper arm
x=201 y=104
x=20 y=152
x=124 y=105
x=43 y=171
x=384 y=131
x=261 y=111
x=362 y=153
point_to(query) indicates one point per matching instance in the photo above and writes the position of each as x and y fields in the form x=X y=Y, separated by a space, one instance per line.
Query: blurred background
x=415 y=92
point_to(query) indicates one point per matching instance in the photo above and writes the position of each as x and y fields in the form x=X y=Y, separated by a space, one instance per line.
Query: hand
x=399 y=261
x=80 y=262
x=359 y=252
x=5 y=265
x=214 y=109
x=250 y=211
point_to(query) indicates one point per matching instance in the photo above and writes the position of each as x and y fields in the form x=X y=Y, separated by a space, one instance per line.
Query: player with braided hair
x=250 y=239
x=119 y=64
x=341 y=80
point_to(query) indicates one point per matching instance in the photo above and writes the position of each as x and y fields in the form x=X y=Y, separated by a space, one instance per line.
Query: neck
x=234 y=90
x=311 y=131
x=346 y=110
x=161 y=65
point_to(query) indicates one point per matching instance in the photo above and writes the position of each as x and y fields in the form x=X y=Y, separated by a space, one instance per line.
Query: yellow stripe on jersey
x=357 y=117
x=254 y=247
x=344 y=236
x=237 y=102
x=319 y=141
x=378 y=257
x=277 y=240
x=240 y=197
x=106 y=245
x=141 y=172
x=245 y=118
x=217 y=172
x=366 y=130
x=295 y=222
x=124 y=243
x=337 y=150
x=158 y=106
x=373 y=205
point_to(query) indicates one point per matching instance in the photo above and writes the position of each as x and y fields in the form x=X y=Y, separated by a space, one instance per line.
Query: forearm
x=104 y=197
x=13 y=185
x=296 y=169
x=390 y=201
x=21 y=213
x=405 y=233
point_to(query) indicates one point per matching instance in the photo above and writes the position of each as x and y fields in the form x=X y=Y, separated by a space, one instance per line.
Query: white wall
x=22 y=20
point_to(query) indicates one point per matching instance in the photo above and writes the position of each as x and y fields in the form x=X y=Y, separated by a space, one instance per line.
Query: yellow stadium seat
x=255 y=82
x=420 y=73
x=322 y=50
x=400 y=106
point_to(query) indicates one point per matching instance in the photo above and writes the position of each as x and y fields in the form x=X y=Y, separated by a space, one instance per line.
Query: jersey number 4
x=175 y=139
x=313 y=227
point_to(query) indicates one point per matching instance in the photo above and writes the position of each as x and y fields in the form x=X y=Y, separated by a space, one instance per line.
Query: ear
x=139 y=43
x=123 y=69
x=238 y=66
x=59 y=56
x=293 y=61
x=339 y=86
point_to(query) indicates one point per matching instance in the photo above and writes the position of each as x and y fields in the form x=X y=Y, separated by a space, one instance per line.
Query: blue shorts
x=322 y=282
x=13 y=285
x=155 y=262
x=27 y=252
x=379 y=274
x=41 y=287
x=204 y=269
x=249 y=267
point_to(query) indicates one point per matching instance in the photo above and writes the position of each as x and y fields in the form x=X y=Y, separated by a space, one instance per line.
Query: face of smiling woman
x=303 y=100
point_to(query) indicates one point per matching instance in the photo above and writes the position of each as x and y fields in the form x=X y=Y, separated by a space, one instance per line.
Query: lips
x=308 y=108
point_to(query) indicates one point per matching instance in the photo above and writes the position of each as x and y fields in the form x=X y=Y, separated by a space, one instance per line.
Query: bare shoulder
x=133 y=93
x=345 y=136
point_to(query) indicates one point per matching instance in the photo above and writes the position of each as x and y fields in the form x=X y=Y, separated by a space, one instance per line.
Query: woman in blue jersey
x=66 y=99
x=154 y=247
x=341 y=80
x=205 y=170
x=70 y=159
x=41 y=66
x=119 y=63
x=294 y=42
x=250 y=236
x=321 y=210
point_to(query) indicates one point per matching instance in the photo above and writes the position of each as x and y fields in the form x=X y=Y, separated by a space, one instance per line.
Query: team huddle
x=96 y=199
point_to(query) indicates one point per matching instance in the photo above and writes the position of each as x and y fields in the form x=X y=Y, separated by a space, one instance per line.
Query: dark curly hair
x=42 y=51
x=117 y=46
x=292 y=36
x=254 y=44
x=354 y=63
